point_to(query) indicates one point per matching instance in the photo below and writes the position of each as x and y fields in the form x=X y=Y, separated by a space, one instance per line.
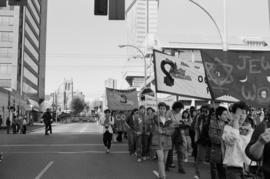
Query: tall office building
x=22 y=51
x=111 y=83
x=142 y=19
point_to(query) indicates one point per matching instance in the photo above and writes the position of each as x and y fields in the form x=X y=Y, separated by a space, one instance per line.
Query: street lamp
x=223 y=36
x=143 y=55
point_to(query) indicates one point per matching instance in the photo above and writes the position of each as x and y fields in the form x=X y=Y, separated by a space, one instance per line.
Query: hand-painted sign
x=122 y=99
x=244 y=75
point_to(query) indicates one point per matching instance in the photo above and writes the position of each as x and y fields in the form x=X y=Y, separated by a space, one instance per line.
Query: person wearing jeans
x=161 y=140
x=107 y=122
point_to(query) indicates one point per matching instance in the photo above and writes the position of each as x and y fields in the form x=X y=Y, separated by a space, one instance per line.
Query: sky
x=84 y=47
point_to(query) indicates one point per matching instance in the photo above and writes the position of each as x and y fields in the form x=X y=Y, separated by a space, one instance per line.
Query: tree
x=77 y=105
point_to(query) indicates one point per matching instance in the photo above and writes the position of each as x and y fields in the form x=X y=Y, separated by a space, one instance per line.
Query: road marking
x=84 y=129
x=54 y=145
x=78 y=152
x=44 y=170
x=94 y=152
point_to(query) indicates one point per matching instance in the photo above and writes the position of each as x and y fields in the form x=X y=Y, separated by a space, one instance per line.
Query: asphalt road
x=74 y=151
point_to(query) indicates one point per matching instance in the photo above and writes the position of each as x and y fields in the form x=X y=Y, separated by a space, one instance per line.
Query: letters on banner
x=244 y=75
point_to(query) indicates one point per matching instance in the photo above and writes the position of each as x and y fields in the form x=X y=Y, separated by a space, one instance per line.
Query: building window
x=30 y=76
x=5 y=68
x=30 y=62
x=6 y=20
x=31 y=49
x=5 y=52
x=6 y=36
x=28 y=89
x=32 y=35
x=32 y=21
x=5 y=83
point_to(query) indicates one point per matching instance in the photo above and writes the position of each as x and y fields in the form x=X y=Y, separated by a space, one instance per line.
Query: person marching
x=107 y=122
x=161 y=140
x=178 y=137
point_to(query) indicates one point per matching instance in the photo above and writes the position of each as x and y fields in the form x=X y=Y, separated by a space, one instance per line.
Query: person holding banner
x=161 y=140
x=108 y=123
x=236 y=137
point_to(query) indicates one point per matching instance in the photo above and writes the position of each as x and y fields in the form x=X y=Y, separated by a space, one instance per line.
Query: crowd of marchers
x=235 y=141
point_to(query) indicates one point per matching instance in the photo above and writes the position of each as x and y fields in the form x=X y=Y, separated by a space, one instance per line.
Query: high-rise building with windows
x=22 y=51
x=142 y=19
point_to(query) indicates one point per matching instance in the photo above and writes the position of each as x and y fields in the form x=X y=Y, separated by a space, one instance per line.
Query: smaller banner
x=122 y=99
x=244 y=75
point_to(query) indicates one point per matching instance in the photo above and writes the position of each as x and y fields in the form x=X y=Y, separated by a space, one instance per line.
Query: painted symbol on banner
x=173 y=72
x=220 y=73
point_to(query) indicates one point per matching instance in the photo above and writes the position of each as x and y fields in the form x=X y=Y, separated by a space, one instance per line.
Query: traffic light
x=101 y=7
x=17 y=2
x=3 y=3
x=117 y=10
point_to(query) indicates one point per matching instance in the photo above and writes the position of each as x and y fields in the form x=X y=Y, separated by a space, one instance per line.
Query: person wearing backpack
x=258 y=148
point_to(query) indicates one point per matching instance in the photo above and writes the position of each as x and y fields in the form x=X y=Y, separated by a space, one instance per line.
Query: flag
x=122 y=99
x=244 y=75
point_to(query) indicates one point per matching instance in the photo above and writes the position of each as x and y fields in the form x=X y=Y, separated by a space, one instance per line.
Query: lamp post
x=143 y=55
x=223 y=36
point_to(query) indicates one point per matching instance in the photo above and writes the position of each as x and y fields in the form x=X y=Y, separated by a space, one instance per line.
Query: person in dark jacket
x=216 y=127
x=8 y=123
x=258 y=148
x=201 y=137
x=47 y=117
x=131 y=132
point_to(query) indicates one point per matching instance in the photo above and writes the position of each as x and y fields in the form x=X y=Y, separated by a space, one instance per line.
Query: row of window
x=6 y=36
x=30 y=62
x=30 y=76
x=6 y=20
x=5 y=68
x=33 y=9
x=31 y=49
x=31 y=34
x=5 y=52
x=32 y=21
x=29 y=90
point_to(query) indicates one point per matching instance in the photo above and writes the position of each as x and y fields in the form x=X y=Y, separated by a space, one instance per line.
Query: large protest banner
x=244 y=75
x=122 y=99
x=179 y=77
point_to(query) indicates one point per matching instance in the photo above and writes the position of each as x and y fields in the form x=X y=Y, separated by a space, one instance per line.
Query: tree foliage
x=77 y=105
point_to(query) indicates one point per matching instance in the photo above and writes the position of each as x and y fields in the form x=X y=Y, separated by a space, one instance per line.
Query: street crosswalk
x=76 y=128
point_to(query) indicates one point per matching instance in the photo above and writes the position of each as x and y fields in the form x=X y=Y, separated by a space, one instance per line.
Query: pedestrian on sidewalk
x=161 y=140
x=47 y=117
x=1 y=121
x=107 y=122
x=8 y=123
x=24 y=125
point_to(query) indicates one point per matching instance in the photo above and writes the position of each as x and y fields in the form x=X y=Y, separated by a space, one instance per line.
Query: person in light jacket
x=161 y=141
x=107 y=122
